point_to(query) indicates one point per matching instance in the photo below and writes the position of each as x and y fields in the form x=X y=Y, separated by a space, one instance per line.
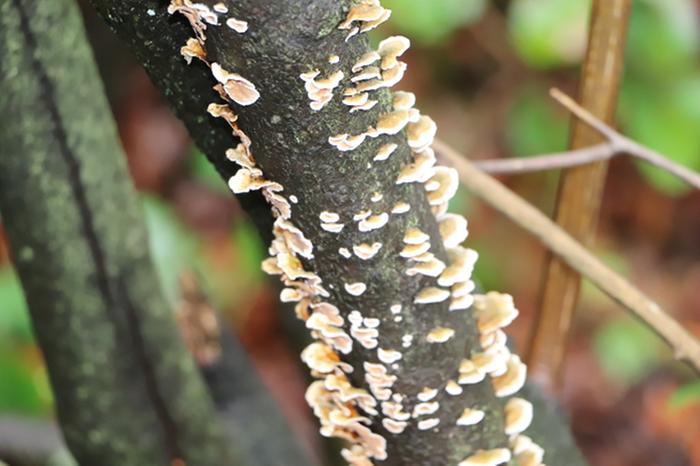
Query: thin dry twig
x=685 y=345
x=617 y=145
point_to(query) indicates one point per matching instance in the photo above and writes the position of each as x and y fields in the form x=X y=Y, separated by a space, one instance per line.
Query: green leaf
x=549 y=33
x=250 y=245
x=535 y=125
x=431 y=22
x=22 y=388
x=686 y=395
x=664 y=118
x=173 y=247
x=14 y=316
x=627 y=350
x=663 y=38
x=203 y=170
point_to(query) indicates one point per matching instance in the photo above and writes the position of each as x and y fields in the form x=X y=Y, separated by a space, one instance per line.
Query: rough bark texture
x=155 y=38
x=290 y=144
x=127 y=392
x=286 y=39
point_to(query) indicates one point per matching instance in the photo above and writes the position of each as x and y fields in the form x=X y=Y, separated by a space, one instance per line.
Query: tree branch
x=126 y=390
x=580 y=188
x=30 y=442
x=686 y=347
x=617 y=145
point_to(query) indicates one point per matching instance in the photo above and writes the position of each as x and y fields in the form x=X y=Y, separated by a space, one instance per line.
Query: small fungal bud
x=463 y=289
x=371 y=72
x=404 y=100
x=449 y=182
x=388 y=356
x=237 y=25
x=494 y=340
x=373 y=222
x=367 y=251
x=527 y=452
x=355 y=289
x=291 y=295
x=329 y=217
x=461 y=266
x=419 y=171
x=363 y=214
x=494 y=311
x=346 y=142
x=376 y=197
x=321 y=358
x=453 y=230
x=491 y=361
x=453 y=388
x=333 y=59
x=461 y=303
x=421 y=134
x=470 y=417
x=428 y=424
x=400 y=208
x=425 y=408
x=513 y=380
x=519 y=414
x=333 y=227
x=363 y=12
x=488 y=458
x=431 y=268
x=427 y=394
x=469 y=374
x=415 y=236
x=391 y=48
x=440 y=335
x=345 y=252
x=356 y=100
x=394 y=427
x=391 y=123
x=239 y=89
x=385 y=151
x=193 y=49
x=395 y=308
x=431 y=295
x=366 y=60
x=220 y=8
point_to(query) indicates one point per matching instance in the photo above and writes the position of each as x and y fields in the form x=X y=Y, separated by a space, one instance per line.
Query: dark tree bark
x=127 y=392
x=290 y=144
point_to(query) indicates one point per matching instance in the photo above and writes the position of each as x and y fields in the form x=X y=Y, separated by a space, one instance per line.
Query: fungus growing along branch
x=616 y=144
x=580 y=188
x=363 y=241
x=685 y=346
x=292 y=141
x=126 y=390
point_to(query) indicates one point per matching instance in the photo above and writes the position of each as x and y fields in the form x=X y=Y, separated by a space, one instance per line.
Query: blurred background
x=482 y=70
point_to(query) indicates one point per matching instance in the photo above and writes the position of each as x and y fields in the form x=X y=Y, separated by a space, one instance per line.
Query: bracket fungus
x=488 y=458
x=348 y=314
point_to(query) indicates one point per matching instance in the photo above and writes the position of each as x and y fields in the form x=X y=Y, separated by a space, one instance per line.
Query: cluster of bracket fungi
x=346 y=411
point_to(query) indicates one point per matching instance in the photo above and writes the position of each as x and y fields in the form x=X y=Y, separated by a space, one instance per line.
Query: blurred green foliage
x=535 y=124
x=549 y=33
x=660 y=96
x=686 y=395
x=628 y=350
x=431 y=23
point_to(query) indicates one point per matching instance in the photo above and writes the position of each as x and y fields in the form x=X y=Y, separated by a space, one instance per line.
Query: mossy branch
x=126 y=391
